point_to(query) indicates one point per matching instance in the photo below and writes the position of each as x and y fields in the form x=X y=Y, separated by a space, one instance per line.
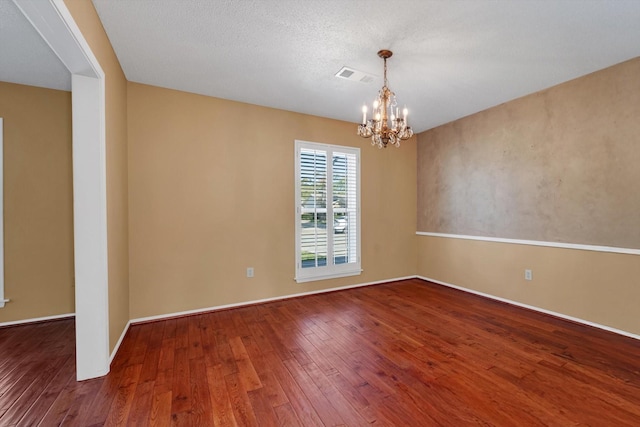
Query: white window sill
x=327 y=276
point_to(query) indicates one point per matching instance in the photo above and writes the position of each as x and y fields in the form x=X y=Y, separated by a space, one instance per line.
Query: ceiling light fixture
x=385 y=126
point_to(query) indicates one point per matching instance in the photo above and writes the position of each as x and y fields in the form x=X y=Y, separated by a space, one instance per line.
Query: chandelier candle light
x=385 y=126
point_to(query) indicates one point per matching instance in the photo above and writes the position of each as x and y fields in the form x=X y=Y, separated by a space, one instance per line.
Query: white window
x=327 y=211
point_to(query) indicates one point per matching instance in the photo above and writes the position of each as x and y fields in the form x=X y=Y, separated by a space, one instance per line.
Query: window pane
x=313 y=241
x=340 y=241
x=313 y=194
x=344 y=208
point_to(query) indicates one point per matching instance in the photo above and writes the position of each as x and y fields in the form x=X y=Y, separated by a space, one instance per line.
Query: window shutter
x=327 y=211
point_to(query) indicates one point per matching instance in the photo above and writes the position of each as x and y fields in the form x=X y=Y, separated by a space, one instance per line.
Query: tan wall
x=593 y=286
x=559 y=165
x=38 y=202
x=87 y=19
x=212 y=192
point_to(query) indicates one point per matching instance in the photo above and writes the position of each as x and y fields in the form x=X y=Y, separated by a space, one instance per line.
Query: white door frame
x=54 y=22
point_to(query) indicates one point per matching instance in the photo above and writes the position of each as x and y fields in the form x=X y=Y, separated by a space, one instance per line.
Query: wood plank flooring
x=408 y=353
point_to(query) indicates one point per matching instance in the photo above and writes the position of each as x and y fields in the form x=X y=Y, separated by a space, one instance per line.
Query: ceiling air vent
x=355 y=75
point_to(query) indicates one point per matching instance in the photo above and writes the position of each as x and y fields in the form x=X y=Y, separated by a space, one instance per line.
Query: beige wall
x=559 y=165
x=212 y=192
x=87 y=19
x=38 y=202
x=593 y=286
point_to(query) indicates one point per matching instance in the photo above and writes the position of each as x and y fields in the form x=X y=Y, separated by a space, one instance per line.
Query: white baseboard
x=117 y=346
x=534 y=308
x=245 y=303
x=37 y=320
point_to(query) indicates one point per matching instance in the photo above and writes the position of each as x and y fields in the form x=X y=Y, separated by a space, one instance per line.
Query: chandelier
x=385 y=126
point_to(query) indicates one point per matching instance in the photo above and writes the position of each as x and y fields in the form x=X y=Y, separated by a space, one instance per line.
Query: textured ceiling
x=25 y=58
x=451 y=58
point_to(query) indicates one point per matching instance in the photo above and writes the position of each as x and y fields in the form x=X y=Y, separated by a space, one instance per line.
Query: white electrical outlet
x=528 y=275
x=250 y=272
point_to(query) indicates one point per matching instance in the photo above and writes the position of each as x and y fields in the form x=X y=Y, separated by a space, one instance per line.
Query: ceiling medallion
x=385 y=126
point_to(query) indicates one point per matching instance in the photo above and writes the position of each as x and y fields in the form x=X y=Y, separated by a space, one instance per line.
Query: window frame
x=330 y=270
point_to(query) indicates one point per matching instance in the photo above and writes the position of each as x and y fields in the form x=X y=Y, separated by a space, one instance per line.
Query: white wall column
x=90 y=228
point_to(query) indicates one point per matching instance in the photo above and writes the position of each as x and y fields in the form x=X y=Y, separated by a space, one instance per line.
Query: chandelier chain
x=386 y=84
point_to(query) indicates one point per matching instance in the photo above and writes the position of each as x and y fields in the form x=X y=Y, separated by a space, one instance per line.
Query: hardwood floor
x=407 y=353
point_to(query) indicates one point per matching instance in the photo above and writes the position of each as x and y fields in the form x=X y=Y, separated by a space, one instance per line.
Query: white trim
x=90 y=231
x=334 y=275
x=37 y=320
x=2 y=298
x=534 y=308
x=55 y=24
x=53 y=21
x=245 y=303
x=117 y=346
x=90 y=198
x=536 y=243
